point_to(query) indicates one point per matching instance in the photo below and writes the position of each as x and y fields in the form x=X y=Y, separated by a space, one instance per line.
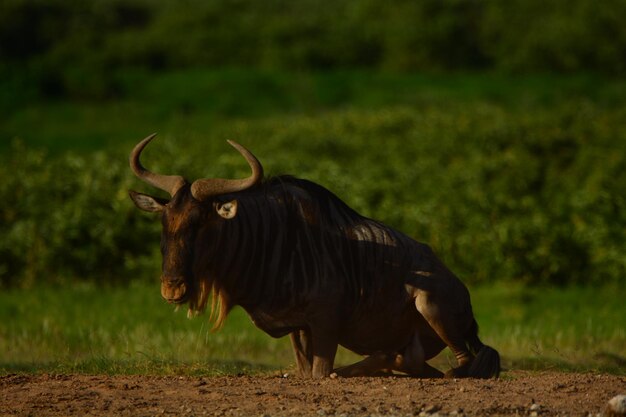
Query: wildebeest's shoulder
x=310 y=200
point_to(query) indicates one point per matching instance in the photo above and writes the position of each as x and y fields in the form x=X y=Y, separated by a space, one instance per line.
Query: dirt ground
x=516 y=393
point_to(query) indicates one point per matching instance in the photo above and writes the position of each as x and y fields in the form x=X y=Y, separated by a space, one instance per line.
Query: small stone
x=430 y=409
x=616 y=406
x=535 y=407
x=333 y=375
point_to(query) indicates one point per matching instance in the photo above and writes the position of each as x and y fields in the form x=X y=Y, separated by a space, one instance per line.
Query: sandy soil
x=517 y=393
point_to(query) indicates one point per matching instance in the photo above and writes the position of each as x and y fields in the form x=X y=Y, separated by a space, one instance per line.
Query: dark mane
x=294 y=239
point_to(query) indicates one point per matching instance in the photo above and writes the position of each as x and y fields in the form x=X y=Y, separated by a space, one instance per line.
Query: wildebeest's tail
x=486 y=363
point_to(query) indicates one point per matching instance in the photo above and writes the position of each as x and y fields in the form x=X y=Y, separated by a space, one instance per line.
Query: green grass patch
x=574 y=328
x=130 y=330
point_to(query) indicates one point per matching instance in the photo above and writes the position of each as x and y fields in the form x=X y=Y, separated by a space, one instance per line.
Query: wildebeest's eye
x=227 y=210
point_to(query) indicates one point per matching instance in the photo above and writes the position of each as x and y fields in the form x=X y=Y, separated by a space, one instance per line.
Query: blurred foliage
x=507 y=176
x=68 y=217
x=195 y=100
x=521 y=194
x=59 y=48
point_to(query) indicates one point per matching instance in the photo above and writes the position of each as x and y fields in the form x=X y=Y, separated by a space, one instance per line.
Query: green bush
x=527 y=195
x=67 y=217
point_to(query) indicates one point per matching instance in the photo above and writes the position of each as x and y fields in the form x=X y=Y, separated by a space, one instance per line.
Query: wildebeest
x=301 y=262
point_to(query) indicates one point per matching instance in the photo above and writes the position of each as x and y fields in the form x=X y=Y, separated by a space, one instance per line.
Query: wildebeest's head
x=192 y=207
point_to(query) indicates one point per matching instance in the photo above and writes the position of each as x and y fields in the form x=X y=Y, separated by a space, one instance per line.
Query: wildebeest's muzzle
x=174 y=290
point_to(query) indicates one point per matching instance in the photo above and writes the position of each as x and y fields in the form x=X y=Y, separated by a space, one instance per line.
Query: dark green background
x=495 y=131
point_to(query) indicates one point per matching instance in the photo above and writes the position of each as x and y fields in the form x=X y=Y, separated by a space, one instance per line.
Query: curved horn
x=205 y=188
x=169 y=183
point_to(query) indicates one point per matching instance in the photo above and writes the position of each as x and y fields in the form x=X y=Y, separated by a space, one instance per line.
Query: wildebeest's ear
x=227 y=210
x=146 y=202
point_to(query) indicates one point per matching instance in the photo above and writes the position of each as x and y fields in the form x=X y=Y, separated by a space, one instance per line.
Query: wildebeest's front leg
x=302 y=346
x=324 y=351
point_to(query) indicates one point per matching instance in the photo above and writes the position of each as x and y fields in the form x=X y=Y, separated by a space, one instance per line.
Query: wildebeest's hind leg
x=301 y=343
x=449 y=330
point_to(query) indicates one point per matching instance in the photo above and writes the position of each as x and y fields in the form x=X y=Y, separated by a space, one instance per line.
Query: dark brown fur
x=301 y=262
